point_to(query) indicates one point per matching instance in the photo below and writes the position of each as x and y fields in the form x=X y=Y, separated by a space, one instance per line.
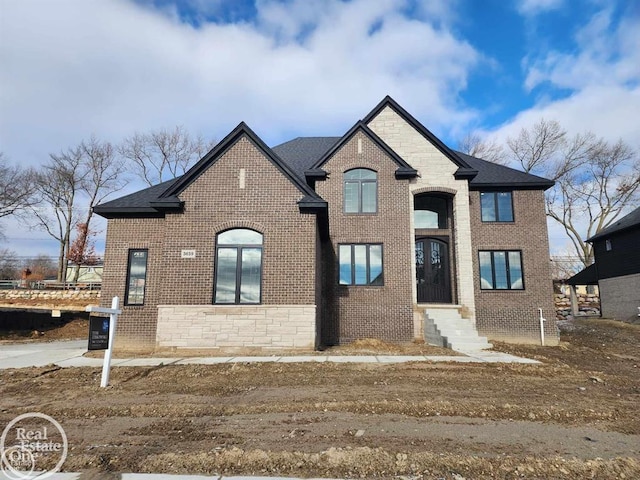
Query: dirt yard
x=573 y=417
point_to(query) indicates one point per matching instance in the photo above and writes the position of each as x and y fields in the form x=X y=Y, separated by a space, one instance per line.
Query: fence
x=46 y=285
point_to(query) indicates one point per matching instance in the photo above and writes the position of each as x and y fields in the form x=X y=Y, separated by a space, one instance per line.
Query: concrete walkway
x=69 y=354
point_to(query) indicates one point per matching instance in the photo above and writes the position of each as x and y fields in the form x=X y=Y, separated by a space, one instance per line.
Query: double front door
x=432 y=271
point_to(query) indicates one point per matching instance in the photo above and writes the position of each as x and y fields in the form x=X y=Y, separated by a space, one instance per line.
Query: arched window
x=360 y=191
x=238 y=267
x=430 y=211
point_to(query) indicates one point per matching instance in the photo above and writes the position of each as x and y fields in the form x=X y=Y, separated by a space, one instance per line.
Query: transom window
x=360 y=264
x=496 y=206
x=501 y=270
x=429 y=211
x=360 y=191
x=136 y=277
x=238 y=267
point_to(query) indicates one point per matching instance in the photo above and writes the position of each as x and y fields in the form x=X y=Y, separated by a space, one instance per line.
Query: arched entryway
x=433 y=279
x=433 y=256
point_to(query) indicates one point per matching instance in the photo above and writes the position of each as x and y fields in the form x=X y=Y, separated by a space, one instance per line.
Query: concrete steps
x=445 y=327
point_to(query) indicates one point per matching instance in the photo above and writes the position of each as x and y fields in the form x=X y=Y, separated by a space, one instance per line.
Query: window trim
x=238 y=273
x=368 y=264
x=359 y=182
x=496 y=207
x=128 y=280
x=493 y=271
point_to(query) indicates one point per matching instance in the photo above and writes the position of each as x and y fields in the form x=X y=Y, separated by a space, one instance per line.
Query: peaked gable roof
x=404 y=169
x=627 y=222
x=221 y=148
x=156 y=200
x=464 y=170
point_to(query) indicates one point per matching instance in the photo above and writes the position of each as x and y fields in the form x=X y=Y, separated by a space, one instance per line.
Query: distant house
x=87 y=274
x=617 y=268
x=384 y=232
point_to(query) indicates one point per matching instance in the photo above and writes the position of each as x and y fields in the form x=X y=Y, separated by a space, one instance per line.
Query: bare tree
x=15 y=189
x=40 y=267
x=565 y=265
x=103 y=174
x=70 y=185
x=596 y=181
x=489 y=150
x=163 y=154
x=9 y=265
x=58 y=184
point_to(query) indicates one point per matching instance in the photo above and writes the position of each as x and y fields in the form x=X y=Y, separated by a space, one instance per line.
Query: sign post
x=96 y=336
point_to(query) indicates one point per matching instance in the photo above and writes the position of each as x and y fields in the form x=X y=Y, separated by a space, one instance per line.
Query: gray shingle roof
x=628 y=221
x=134 y=203
x=302 y=152
x=492 y=175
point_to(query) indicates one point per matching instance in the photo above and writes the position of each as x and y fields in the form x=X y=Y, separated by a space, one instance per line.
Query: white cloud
x=603 y=57
x=534 y=7
x=76 y=67
x=601 y=77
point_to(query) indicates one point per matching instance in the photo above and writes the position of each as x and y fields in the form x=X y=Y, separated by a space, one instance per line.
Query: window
x=360 y=264
x=429 y=212
x=501 y=270
x=607 y=245
x=136 y=277
x=238 y=267
x=496 y=206
x=360 y=191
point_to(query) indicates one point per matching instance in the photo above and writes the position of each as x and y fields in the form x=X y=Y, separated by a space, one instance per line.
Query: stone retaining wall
x=48 y=296
x=588 y=304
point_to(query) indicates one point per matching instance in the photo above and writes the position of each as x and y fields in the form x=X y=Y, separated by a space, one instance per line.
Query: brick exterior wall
x=620 y=297
x=214 y=202
x=512 y=315
x=355 y=312
x=137 y=324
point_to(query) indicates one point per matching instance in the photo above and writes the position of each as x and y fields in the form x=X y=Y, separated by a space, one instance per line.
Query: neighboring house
x=87 y=274
x=616 y=270
x=384 y=232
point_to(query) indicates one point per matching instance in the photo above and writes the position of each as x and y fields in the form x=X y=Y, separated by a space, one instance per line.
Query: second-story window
x=360 y=191
x=496 y=206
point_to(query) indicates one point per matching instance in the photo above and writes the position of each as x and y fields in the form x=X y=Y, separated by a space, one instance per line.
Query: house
x=86 y=274
x=616 y=270
x=384 y=232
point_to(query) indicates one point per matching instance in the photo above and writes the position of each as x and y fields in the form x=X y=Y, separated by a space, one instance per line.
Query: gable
x=241 y=131
x=406 y=135
x=155 y=201
x=404 y=170
x=241 y=178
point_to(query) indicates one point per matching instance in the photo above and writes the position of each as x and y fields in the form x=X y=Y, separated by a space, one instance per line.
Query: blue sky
x=73 y=68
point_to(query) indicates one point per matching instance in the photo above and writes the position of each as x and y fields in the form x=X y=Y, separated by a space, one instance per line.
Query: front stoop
x=445 y=327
